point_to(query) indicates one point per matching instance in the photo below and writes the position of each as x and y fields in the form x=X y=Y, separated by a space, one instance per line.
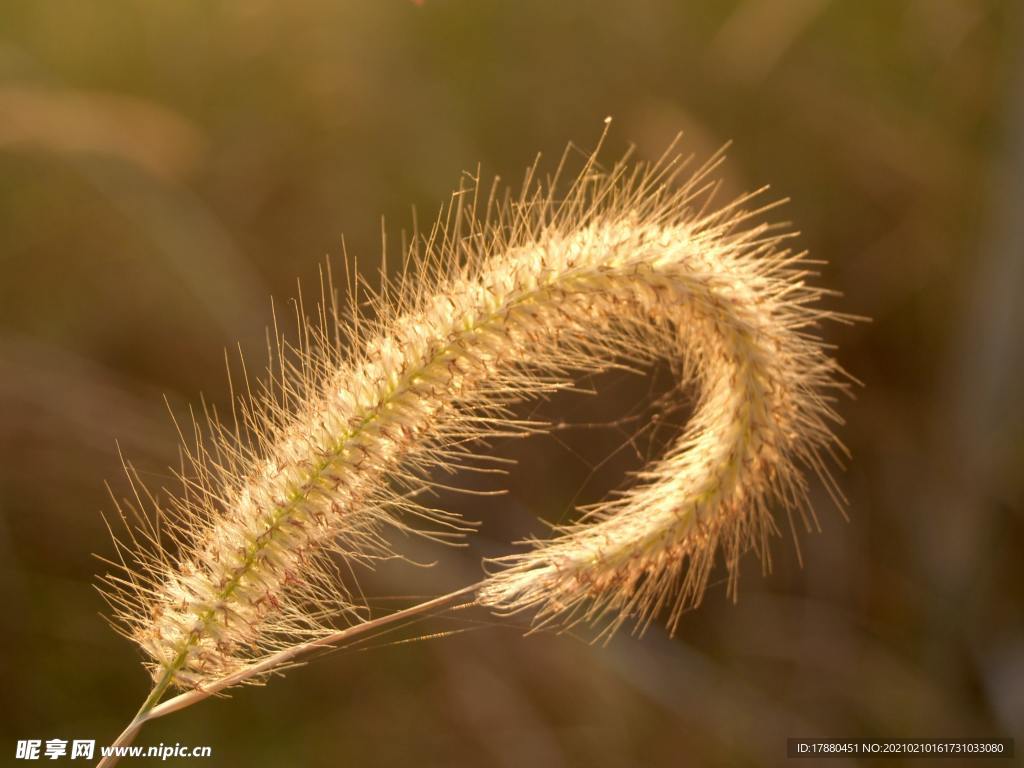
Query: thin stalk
x=152 y=708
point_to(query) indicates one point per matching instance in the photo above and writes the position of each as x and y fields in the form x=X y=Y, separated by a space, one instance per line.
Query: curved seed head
x=499 y=303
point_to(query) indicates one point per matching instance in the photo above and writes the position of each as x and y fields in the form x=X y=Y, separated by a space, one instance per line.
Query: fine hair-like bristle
x=505 y=299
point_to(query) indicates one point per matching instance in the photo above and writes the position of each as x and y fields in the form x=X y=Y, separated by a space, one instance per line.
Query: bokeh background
x=166 y=167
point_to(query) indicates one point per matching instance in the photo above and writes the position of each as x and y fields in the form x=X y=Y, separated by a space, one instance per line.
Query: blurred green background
x=166 y=167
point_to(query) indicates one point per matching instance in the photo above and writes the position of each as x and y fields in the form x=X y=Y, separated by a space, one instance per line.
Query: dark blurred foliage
x=165 y=167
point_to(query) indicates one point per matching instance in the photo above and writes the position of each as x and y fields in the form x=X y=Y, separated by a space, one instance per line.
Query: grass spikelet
x=504 y=300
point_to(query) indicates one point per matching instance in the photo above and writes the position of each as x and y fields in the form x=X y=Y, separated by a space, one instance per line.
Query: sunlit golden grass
x=384 y=393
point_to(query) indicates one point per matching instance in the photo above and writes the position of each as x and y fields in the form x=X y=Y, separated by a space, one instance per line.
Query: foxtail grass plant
x=507 y=298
